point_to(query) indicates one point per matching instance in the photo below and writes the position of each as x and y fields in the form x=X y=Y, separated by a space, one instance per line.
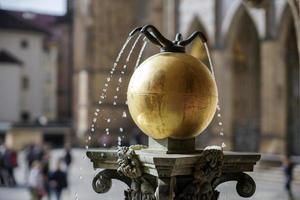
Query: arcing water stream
x=105 y=89
x=220 y=123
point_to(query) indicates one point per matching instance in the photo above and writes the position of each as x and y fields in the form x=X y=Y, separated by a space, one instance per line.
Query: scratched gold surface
x=172 y=95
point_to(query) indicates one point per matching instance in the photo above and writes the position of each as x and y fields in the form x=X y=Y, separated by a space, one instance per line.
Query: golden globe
x=172 y=95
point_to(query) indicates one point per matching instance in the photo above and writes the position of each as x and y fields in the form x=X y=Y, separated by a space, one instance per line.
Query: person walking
x=10 y=163
x=58 y=181
x=35 y=181
x=68 y=156
x=288 y=167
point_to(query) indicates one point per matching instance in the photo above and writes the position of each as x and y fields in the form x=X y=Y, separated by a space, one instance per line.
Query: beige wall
x=32 y=58
x=10 y=92
x=20 y=138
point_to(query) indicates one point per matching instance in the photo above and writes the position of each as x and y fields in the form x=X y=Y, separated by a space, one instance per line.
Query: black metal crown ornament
x=177 y=45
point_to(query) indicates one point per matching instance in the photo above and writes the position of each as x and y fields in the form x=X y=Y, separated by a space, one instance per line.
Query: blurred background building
x=254 y=47
x=36 y=78
x=53 y=68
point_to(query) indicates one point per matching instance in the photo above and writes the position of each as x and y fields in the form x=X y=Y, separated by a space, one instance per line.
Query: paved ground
x=269 y=184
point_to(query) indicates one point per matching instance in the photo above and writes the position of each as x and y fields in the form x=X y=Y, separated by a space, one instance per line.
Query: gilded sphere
x=172 y=95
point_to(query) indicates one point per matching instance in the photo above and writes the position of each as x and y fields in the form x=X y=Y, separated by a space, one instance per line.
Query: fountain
x=172 y=97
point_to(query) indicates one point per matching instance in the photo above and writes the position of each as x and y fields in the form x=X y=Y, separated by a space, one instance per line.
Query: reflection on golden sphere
x=172 y=95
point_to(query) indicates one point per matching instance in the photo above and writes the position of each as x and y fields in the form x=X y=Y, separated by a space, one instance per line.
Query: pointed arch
x=243 y=49
x=288 y=41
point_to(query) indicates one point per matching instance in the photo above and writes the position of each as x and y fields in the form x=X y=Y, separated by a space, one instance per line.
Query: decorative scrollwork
x=245 y=186
x=208 y=168
x=101 y=183
x=103 y=180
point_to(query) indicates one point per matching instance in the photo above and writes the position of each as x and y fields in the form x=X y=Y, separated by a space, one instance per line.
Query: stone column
x=273 y=98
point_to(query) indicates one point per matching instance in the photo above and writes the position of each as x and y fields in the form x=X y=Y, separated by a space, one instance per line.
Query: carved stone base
x=156 y=176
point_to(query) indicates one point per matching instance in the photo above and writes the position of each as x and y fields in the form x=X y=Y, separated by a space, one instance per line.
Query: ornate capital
x=129 y=164
x=207 y=169
x=141 y=187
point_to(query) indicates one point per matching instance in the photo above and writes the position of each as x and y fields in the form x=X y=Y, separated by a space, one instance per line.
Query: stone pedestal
x=161 y=176
x=172 y=146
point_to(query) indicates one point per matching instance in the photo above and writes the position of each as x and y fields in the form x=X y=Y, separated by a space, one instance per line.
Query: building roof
x=10 y=21
x=6 y=57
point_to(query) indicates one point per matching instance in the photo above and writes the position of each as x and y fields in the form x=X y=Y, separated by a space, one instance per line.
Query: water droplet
x=120 y=80
x=126 y=102
x=114 y=103
x=119 y=141
x=92 y=129
x=124 y=115
x=104 y=144
x=122 y=72
x=104 y=90
x=102 y=96
x=89 y=138
x=121 y=129
x=106 y=85
x=97 y=110
x=100 y=102
x=223 y=145
x=86 y=147
x=95 y=119
x=76 y=196
x=115 y=64
x=108 y=79
x=221 y=133
x=93 y=125
x=125 y=66
x=108 y=120
x=219 y=115
x=220 y=123
x=117 y=89
x=115 y=97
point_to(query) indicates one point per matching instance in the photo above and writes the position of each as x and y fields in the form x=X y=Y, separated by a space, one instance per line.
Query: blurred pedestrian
x=30 y=155
x=45 y=170
x=35 y=181
x=10 y=163
x=13 y=166
x=3 y=172
x=288 y=167
x=58 y=180
x=68 y=156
